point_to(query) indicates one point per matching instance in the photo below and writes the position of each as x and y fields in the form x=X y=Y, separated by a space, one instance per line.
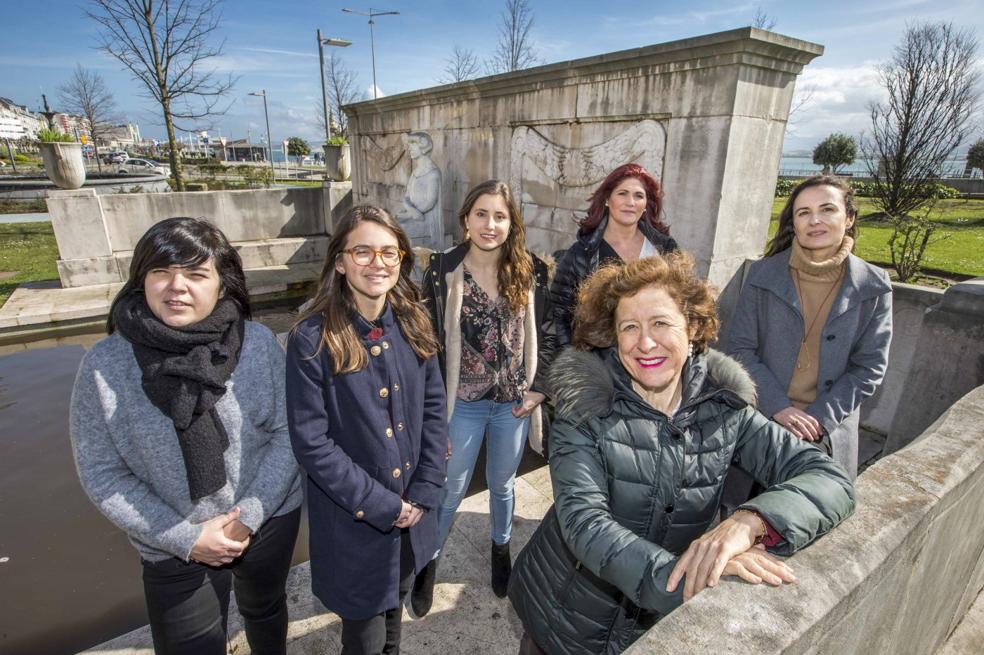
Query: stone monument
x=420 y=214
x=706 y=115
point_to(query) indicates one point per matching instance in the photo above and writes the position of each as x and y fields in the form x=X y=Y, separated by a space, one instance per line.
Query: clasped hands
x=409 y=515
x=728 y=549
x=221 y=540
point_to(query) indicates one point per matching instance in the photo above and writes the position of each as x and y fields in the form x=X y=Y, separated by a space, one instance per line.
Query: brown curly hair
x=594 y=318
x=516 y=266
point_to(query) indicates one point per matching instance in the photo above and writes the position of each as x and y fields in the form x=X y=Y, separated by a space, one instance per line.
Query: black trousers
x=188 y=602
x=380 y=634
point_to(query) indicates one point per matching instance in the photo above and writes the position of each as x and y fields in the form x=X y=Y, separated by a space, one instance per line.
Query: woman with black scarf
x=179 y=430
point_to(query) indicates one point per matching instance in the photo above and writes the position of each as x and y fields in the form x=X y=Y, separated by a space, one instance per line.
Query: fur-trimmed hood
x=583 y=384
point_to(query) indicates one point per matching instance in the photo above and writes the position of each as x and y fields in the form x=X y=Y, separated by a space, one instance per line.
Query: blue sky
x=271 y=45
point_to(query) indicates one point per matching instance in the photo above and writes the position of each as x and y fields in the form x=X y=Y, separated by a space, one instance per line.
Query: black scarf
x=184 y=374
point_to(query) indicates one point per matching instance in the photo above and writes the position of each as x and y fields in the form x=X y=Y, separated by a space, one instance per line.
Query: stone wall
x=897 y=577
x=706 y=115
x=270 y=227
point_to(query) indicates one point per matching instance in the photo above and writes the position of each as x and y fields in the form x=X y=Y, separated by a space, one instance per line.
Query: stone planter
x=338 y=162
x=63 y=164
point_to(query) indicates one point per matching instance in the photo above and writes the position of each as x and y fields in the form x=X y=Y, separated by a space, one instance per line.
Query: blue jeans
x=507 y=436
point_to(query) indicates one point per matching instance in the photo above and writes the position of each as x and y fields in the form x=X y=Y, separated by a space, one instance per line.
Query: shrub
x=54 y=136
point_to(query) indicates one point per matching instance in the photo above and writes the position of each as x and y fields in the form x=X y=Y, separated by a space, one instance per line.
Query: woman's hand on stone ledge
x=756 y=566
x=705 y=559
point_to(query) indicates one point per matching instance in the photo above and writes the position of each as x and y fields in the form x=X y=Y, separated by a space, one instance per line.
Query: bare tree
x=514 y=50
x=762 y=20
x=341 y=84
x=932 y=94
x=164 y=44
x=460 y=66
x=87 y=95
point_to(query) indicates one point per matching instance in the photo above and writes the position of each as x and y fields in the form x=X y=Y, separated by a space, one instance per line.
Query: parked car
x=114 y=157
x=143 y=167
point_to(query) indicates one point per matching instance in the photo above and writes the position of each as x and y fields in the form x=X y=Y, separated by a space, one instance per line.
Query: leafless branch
x=932 y=94
x=460 y=66
x=341 y=85
x=166 y=45
x=762 y=20
x=515 y=49
x=87 y=95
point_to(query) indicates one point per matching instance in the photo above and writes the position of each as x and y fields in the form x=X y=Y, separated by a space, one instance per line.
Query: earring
x=690 y=349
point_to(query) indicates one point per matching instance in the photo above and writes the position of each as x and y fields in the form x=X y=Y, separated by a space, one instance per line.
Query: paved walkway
x=25 y=218
x=466 y=616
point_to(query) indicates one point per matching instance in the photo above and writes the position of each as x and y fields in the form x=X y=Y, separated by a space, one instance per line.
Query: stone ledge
x=896 y=577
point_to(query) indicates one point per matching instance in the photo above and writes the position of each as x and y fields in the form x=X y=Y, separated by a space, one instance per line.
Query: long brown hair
x=654 y=198
x=516 y=266
x=334 y=302
x=787 y=232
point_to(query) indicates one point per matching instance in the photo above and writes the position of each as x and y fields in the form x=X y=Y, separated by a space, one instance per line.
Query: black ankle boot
x=501 y=568
x=422 y=594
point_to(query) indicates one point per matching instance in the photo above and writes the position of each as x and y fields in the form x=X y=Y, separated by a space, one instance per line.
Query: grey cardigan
x=766 y=330
x=130 y=463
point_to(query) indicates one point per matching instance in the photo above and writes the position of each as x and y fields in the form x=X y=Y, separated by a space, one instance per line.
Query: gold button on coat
x=386 y=345
x=360 y=514
x=399 y=426
x=396 y=473
x=396 y=387
x=375 y=350
x=389 y=432
x=384 y=392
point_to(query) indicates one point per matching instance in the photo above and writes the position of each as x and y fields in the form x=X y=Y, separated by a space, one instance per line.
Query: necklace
x=803 y=360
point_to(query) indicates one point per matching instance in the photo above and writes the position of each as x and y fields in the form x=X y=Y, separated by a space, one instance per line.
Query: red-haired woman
x=623 y=224
x=490 y=308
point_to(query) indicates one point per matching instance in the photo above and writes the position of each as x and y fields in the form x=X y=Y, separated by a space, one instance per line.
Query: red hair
x=654 y=198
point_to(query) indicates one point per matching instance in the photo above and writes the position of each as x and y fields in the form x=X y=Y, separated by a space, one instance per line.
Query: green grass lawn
x=957 y=248
x=29 y=251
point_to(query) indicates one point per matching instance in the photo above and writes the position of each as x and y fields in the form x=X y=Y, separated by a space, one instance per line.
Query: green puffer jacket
x=632 y=489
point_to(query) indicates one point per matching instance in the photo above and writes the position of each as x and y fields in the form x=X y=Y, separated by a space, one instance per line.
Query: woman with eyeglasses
x=366 y=408
x=490 y=307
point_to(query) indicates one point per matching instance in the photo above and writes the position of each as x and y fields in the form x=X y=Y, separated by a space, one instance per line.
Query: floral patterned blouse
x=492 y=339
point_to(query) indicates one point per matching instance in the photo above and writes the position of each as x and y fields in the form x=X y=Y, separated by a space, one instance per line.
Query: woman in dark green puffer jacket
x=648 y=422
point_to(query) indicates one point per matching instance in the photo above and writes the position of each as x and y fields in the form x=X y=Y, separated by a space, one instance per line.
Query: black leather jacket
x=581 y=260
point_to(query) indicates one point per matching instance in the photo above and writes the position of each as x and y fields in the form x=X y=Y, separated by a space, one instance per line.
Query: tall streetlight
x=340 y=43
x=372 y=37
x=266 y=114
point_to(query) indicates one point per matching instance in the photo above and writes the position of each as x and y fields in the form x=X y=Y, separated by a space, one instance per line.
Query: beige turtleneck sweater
x=817 y=284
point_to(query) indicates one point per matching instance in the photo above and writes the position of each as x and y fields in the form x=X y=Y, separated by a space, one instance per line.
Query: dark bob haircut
x=654 y=198
x=184 y=241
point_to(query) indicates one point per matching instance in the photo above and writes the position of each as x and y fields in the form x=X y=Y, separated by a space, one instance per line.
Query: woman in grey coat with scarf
x=813 y=322
x=179 y=429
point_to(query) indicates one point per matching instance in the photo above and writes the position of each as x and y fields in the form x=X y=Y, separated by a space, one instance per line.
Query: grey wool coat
x=633 y=487
x=766 y=330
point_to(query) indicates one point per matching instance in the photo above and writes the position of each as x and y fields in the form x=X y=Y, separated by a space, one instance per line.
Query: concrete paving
x=38 y=217
x=466 y=616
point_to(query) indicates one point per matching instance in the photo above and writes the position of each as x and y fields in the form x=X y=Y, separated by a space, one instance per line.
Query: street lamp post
x=266 y=115
x=340 y=43
x=372 y=37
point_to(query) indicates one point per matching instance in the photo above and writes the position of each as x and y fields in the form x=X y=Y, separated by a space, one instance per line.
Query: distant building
x=77 y=126
x=243 y=150
x=18 y=122
x=122 y=136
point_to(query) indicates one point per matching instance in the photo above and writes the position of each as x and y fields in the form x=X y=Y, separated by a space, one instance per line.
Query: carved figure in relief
x=422 y=200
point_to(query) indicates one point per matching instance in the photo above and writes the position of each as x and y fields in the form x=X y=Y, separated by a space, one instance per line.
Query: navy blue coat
x=366 y=440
